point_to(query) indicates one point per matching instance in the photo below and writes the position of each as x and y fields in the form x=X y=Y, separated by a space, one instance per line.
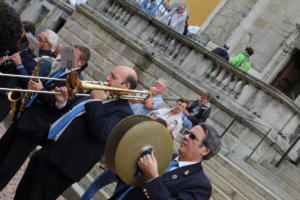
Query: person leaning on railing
x=176 y=18
x=242 y=60
x=149 y=6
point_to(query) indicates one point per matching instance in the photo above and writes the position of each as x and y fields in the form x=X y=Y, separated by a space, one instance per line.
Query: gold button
x=187 y=172
x=145 y=190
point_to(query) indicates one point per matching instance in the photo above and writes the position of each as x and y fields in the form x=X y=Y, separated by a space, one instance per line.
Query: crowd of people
x=73 y=132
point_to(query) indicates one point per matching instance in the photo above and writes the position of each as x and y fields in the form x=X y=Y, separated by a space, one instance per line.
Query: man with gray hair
x=184 y=178
x=176 y=18
x=47 y=41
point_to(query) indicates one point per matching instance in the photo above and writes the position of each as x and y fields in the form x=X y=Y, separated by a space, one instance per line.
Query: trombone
x=74 y=85
x=41 y=78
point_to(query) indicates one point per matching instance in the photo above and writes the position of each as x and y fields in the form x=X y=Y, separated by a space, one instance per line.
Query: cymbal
x=129 y=139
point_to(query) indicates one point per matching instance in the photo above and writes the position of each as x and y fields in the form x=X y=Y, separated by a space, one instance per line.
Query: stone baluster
x=238 y=88
x=117 y=14
x=216 y=69
x=172 y=46
x=127 y=18
x=167 y=44
x=151 y=37
x=247 y=92
x=161 y=41
x=183 y=54
x=112 y=9
x=220 y=76
x=176 y=51
x=107 y=8
x=232 y=84
x=157 y=38
x=209 y=70
x=226 y=80
x=122 y=16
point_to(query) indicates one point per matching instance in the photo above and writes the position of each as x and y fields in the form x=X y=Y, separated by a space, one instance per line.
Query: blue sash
x=56 y=74
x=66 y=119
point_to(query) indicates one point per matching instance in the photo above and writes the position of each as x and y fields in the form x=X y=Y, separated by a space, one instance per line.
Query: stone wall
x=228 y=18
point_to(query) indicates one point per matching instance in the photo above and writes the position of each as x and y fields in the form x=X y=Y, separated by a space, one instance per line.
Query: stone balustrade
x=157 y=50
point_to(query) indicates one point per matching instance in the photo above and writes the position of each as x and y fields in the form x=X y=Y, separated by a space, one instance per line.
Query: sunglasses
x=192 y=136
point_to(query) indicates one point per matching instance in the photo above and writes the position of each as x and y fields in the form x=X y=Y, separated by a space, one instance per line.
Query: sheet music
x=33 y=44
x=67 y=58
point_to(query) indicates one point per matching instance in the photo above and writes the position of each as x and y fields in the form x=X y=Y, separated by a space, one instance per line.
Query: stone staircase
x=232 y=179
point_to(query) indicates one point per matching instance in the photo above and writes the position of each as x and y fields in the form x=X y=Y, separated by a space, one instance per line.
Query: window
x=288 y=80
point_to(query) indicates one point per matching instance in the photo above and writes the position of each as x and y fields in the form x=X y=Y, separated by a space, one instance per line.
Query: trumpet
x=74 y=85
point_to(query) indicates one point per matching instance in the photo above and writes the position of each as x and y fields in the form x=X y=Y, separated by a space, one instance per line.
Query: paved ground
x=8 y=192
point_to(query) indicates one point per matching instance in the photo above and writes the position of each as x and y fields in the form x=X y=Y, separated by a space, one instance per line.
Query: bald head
x=122 y=77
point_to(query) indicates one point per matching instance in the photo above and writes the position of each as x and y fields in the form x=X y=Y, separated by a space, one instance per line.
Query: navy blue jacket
x=201 y=116
x=82 y=143
x=184 y=183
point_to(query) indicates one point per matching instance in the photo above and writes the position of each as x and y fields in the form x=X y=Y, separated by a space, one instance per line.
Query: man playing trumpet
x=76 y=141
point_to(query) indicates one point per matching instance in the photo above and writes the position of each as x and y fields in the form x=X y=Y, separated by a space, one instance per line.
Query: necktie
x=62 y=122
x=57 y=74
x=173 y=164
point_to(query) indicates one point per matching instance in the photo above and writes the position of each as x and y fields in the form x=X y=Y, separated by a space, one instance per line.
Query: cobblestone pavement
x=8 y=192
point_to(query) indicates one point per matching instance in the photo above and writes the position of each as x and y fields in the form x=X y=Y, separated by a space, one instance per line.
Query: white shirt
x=182 y=163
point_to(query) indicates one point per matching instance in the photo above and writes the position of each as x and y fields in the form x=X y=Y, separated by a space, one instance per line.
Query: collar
x=45 y=52
x=207 y=105
x=184 y=163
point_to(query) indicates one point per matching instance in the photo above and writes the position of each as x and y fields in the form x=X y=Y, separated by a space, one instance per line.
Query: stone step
x=233 y=180
x=295 y=169
x=223 y=185
x=218 y=194
x=275 y=180
x=249 y=177
x=283 y=175
x=290 y=170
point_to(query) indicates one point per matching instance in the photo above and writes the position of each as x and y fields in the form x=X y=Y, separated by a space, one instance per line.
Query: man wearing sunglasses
x=184 y=178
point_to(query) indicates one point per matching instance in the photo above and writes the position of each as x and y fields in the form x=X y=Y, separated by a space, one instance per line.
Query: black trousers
x=14 y=148
x=42 y=179
x=4 y=107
